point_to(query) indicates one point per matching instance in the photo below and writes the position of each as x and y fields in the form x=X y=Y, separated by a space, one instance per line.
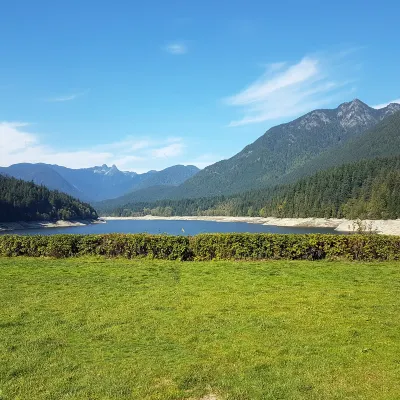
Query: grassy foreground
x=119 y=329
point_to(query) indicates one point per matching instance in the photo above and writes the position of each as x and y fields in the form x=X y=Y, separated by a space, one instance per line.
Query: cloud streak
x=69 y=97
x=287 y=90
x=176 y=48
x=17 y=145
x=172 y=150
x=383 y=105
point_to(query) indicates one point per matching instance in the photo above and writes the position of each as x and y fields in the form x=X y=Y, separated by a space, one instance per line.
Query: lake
x=170 y=227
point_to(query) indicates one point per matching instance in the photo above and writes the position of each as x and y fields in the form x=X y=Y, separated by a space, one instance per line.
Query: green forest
x=26 y=201
x=365 y=189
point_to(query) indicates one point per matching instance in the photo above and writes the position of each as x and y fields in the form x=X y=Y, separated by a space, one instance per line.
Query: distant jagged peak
x=105 y=169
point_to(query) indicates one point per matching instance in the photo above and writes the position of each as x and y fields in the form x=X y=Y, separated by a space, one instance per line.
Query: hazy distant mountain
x=149 y=194
x=285 y=148
x=97 y=183
x=172 y=176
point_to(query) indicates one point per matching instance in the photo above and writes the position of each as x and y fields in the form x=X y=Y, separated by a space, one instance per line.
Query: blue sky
x=146 y=85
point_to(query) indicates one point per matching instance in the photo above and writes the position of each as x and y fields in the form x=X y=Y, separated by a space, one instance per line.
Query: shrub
x=232 y=246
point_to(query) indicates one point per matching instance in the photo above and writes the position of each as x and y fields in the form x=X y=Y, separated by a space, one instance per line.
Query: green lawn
x=119 y=329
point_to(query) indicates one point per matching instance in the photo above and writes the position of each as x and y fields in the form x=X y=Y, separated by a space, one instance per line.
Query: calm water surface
x=170 y=227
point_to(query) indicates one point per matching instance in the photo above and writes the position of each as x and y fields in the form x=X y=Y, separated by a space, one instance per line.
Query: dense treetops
x=26 y=201
x=365 y=189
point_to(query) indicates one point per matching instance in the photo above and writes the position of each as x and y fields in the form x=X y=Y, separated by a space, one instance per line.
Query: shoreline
x=21 y=225
x=385 y=227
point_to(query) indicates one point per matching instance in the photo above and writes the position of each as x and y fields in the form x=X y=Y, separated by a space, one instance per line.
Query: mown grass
x=119 y=329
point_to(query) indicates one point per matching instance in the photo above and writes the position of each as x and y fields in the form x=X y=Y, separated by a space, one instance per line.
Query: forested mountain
x=284 y=154
x=97 y=183
x=381 y=141
x=365 y=189
x=26 y=201
x=285 y=148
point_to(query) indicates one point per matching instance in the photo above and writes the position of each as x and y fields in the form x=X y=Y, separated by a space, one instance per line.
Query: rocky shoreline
x=21 y=225
x=386 y=227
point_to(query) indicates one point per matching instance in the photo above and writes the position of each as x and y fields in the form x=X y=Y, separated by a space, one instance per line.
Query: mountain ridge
x=368 y=188
x=284 y=148
x=282 y=154
x=99 y=182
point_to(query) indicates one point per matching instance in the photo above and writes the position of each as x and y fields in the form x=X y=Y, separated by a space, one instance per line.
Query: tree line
x=26 y=201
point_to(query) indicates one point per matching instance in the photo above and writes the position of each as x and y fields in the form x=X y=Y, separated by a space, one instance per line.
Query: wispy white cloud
x=176 y=48
x=18 y=145
x=172 y=150
x=68 y=97
x=287 y=90
x=383 y=105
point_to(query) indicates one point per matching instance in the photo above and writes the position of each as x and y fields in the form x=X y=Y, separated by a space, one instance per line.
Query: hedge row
x=241 y=246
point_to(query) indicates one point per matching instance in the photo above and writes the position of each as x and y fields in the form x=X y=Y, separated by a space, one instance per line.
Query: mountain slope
x=26 y=201
x=381 y=141
x=365 y=189
x=97 y=183
x=285 y=148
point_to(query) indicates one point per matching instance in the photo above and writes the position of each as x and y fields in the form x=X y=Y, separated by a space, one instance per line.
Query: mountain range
x=284 y=149
x=290 y=151
x=97 y=183
x=366 y=189
x=284 y=154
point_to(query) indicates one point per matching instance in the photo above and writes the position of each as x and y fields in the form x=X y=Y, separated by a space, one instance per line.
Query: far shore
x=386 y=227
x=21 y=225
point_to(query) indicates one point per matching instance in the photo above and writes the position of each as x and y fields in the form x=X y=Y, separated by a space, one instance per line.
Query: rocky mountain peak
x=355 y=114
x=105 y=170
x=394 y=107
x=389 y=110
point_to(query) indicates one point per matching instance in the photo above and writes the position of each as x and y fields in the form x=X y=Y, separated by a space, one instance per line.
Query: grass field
x=118 y=329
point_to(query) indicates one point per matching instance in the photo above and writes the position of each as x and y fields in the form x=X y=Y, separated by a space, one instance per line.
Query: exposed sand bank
x=387 y=227
x=11 y=226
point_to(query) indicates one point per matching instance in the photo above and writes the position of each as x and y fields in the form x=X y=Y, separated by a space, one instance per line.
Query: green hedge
x=241 y=246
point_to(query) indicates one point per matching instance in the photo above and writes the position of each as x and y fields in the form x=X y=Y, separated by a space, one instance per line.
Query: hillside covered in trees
x=317 y=141
x=365 y=189
x=26 y=201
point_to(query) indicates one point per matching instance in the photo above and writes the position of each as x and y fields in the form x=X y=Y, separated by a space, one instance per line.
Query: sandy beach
x=386 y=227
